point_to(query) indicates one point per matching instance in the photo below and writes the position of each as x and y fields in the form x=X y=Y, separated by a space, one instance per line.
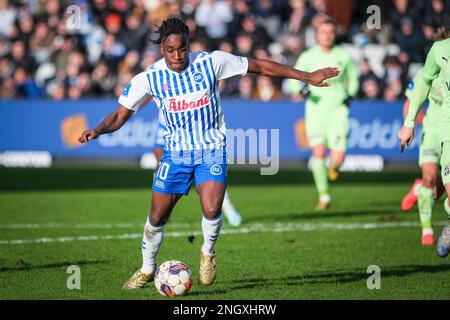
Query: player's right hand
x=317 y=78
x=88 y=135
x=406 y=136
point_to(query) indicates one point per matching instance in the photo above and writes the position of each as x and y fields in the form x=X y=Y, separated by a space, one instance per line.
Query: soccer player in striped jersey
x=437 y=64
x=233 y=217
x=185 y=88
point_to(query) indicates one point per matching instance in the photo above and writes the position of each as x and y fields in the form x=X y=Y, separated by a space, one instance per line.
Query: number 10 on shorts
x=163 y=171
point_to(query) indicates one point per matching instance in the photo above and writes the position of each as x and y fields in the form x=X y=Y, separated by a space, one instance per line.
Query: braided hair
x=168 y=27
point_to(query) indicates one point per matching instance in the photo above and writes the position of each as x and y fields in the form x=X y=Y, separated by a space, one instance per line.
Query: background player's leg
x=426 y=200
x=439 y=189
x=429 y=153
x=447 y=200
x=336 y=160
x=410 y=199
x=337 y=133
x=230 y=212
x=319 y=170
x=443 y=246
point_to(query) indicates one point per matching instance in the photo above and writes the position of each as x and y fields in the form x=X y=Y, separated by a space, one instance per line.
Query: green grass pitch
x=53 y=218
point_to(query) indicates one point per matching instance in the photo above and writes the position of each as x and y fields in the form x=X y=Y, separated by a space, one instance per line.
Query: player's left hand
x=318 y=77
x=406 y=136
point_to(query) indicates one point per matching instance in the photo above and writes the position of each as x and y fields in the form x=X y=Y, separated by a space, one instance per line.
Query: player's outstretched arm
x=405 y=109
x=277 y=70
x=419 y=94
x=112 y=122
x=422 y=86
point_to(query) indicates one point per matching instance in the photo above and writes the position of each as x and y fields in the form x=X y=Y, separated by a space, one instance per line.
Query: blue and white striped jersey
x=189 y=100
x=160 y=131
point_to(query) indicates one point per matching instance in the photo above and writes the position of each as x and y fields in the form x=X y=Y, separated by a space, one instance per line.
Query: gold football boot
x=138 y=280
x=207 y=269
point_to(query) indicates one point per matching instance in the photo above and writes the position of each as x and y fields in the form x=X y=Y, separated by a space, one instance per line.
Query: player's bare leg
x=319 y=170
x=211 y=198
x=426 y=201
x=336 y=160
x=162 y=206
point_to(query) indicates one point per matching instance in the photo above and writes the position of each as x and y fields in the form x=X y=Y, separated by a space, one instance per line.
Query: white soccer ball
x=173 y=278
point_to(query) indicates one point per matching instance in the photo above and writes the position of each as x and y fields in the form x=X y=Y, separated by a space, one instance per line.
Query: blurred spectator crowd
x=46 y=53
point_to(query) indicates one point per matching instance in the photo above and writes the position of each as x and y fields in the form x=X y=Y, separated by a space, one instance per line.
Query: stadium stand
x=41 y=56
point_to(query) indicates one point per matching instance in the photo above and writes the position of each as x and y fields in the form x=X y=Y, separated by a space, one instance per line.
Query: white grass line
x=257 y=227
x=56 y=225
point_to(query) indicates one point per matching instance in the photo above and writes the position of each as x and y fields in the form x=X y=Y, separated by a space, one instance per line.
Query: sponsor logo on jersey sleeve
x=126 y=90
x=239 y=60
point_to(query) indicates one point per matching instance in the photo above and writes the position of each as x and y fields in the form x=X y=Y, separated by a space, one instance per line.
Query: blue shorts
x=178 y=169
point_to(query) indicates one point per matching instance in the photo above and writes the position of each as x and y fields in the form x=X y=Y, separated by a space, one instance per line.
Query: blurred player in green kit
x=327 y=109
x=437 y=65
x=429 y=187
